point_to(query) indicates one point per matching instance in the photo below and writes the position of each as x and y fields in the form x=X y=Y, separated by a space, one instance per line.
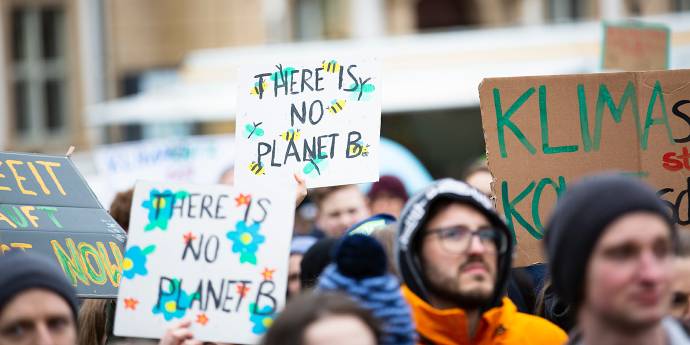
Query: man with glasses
x=454 y=253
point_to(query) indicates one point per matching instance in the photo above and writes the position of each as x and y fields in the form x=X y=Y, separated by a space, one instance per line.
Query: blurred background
x=149 y=84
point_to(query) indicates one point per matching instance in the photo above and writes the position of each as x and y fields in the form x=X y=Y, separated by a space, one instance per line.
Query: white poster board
x=320 y=118
x=215 y=255
x=196 y=159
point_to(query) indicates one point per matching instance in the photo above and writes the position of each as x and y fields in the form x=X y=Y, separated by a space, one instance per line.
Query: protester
x=610 y=248
x=479 y=177
x=93 y=320
x=551 y=307
x=338 y=208
x=386 y=236
x=359 y=270
x=323 y=319
x=454 y=282
x=121 y=206
x=298 y=247
x=680 y=307
x=37 y=303
x=315 y=261
x=387 y=195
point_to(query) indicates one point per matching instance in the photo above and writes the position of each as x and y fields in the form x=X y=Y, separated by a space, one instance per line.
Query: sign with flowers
x=216 y=255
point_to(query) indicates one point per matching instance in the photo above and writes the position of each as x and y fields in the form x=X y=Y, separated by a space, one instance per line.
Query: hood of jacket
x=415 y=215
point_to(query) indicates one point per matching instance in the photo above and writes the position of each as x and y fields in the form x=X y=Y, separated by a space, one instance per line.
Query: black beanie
x=315 y=261
x=23 y=271
x=580 y=219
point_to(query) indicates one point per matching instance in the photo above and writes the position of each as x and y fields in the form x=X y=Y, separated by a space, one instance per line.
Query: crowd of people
x=432 y=268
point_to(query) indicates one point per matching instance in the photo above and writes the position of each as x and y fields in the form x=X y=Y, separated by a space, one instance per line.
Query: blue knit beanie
x=359 y=270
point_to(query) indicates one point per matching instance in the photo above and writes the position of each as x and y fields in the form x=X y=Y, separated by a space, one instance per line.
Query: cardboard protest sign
x=635 y=46
x=212 y=254
x=319 y=118
x=47 y=207
x=543 y=133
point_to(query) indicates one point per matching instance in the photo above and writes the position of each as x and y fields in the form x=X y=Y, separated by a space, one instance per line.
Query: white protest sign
x=194 y=159
x=320 y=118
x=216 y=255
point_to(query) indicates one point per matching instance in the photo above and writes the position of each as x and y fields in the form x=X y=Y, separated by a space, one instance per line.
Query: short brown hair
x=318 y=195
x=120 y=208
x=305 y=309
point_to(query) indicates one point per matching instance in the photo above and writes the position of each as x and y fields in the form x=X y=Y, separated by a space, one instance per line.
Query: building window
x=320 y=19
x=39 y=73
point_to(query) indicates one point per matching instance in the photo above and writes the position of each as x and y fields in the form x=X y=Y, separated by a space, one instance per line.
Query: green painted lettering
x=71 y=263
x=651 y=121
x=543 y=118
x=503 y=120
x=510 y=211
x=95 y=272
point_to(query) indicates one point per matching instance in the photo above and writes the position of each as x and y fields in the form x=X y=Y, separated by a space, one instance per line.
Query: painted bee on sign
x=336 y=106
x=291 y=134
x=359 y=149
x=330 y=66
x=314 y=166
x=256 y=90
x=251 y=129
x=257 y=168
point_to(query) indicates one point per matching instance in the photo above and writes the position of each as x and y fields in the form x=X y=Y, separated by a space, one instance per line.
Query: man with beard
x=454 y=253
x=610 y=243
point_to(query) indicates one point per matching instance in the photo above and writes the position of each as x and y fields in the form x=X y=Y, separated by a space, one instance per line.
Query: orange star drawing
x=242 y=290
x=267 y=274
x=202 y=319
x=131 y=303
x=243 y=199
x=189 y=237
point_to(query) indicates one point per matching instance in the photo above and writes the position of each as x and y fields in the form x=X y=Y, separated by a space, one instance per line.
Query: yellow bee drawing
x=354 y=148
x=291 y=134
x=255 y=90
x=330 y=66
x=336 y=106
x=257 y=168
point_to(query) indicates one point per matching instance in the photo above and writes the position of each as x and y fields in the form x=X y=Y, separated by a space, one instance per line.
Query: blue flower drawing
x=135 y=261
x=246 y=241
x=174 y=304
x=262 y=320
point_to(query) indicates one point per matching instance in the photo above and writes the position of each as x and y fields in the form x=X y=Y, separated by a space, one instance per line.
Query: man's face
x=681 y=291
x=462 y=278
x=341 y=209
x=628 y=280
x=37 y=316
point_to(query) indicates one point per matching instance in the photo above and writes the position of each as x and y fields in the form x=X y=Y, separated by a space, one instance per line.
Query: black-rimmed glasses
x=458 y=239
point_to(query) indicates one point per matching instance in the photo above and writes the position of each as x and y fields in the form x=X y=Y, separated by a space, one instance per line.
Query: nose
x=476 y=245
x=43 y=335
x=653 y=269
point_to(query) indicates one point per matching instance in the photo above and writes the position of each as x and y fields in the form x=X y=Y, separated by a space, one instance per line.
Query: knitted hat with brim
x=20 y=272
x=581 y=217
x=359 y=270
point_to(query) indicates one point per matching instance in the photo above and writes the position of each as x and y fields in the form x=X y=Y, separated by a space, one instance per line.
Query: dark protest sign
x=543 y=133
x=47 y=207
x=320 y=118
x=214 y=254
x=635 y=46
